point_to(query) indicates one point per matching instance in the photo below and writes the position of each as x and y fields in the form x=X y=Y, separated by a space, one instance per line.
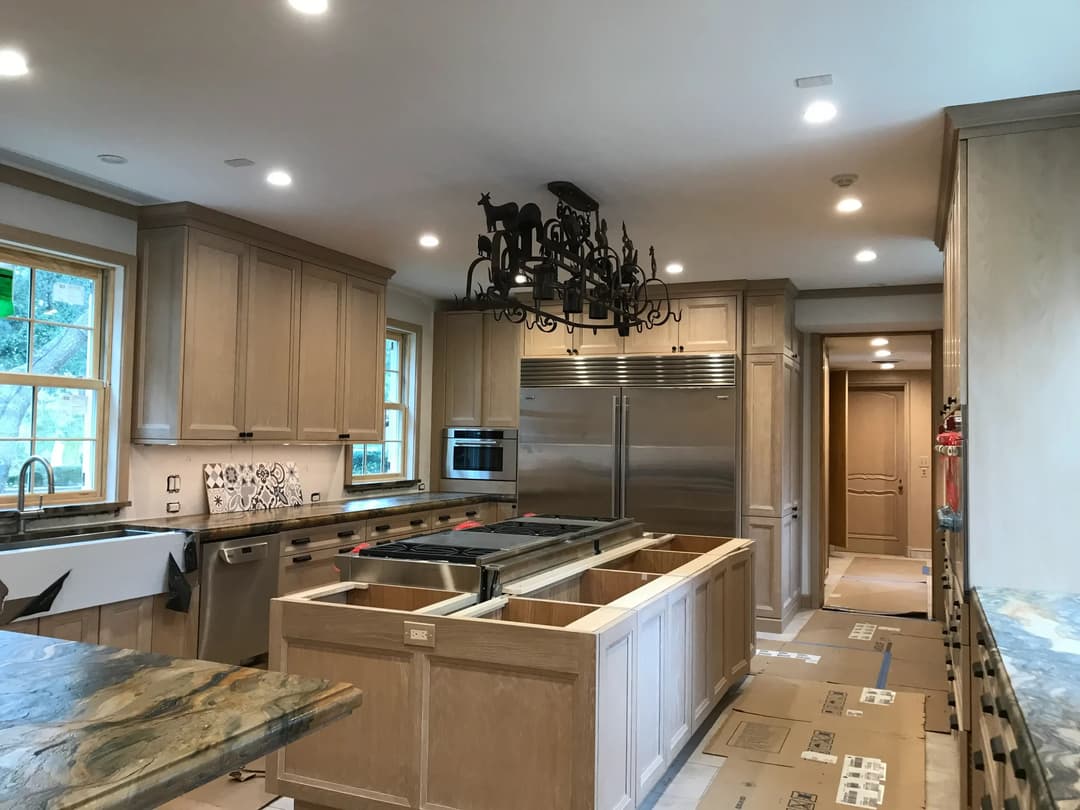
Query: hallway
x=878 y=583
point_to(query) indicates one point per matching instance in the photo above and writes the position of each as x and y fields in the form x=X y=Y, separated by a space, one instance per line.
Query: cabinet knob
x=577 y=351
x=674 y=348
x=682 y=348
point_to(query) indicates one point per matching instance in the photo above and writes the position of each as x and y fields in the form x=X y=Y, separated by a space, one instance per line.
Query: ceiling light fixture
x=849 y=205
x=114 y=160
x=12 y=63
x=879 y=342
x=567 y=259
x=674 y=268
x=888 y=366
x=819 y=112
x=865 y=255
x=429 y=240
x=882 y=353
x=521 y=278
x=280 y=178
x=239 y=163
x=311 y=7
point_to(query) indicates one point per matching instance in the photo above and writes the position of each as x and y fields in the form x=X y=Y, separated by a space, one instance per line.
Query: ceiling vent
x=239 y=163
x=806 y=82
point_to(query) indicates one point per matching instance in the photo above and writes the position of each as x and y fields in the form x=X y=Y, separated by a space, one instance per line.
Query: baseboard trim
x=764 y=624
x=920 y=554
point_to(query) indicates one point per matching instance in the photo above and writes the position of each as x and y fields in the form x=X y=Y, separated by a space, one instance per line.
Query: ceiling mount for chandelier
x=566 y=260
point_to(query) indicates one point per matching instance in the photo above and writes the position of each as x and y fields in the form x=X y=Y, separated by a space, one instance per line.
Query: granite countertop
x=241 y=524
x=94 y=728
x=1037 y=635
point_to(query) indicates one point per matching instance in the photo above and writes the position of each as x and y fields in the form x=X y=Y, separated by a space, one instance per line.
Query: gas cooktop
x=526 y=528
x=416 y=550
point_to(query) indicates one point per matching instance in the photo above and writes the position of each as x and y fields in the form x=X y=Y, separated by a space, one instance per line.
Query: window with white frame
x=393 y=458
x=52 y=376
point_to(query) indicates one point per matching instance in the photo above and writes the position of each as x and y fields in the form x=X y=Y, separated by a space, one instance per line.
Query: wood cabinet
x=478 y=365
x=709 y=324
x=764 y=421
x=601 y=341
x=127 y=625
x=76 y=625
x=238 y=341
x=558 y=343
x=770 y=324
x=308 y=569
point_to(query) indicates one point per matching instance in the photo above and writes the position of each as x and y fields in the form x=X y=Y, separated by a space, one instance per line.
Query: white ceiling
x=681 y=117
x=909 y=352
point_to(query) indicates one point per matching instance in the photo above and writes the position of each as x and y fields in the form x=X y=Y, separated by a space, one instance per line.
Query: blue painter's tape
x=926 y=569
x=883 y=673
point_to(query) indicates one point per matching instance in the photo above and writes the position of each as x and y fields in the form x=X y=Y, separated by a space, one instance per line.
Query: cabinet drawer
x=398 y=526
x=451 y=516
x=320 y=537
x=308 y=569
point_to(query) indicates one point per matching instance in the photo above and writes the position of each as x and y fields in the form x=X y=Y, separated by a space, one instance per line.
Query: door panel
x=322 y=327
x=566 y=451
x=877 y=459
x=680 y=470
x=365 y=336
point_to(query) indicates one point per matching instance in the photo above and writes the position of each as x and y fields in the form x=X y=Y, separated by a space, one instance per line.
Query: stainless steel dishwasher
x=239 y=578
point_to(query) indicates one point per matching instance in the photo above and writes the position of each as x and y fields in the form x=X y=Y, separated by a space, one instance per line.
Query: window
x=392 y=458
x=52 y=381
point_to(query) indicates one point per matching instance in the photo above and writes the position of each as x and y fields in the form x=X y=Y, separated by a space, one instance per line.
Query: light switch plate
x=419 y=634
x=172 y=507
x=316 y=497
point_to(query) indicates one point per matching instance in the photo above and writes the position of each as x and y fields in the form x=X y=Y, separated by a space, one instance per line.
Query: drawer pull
x=471 y=514
x=346 y=550
x=443 y=518
x=954 y=723
x=952 y=700
x=986 y=804
x=1012 y=803
x=417 y=522
x=1019 y=771
x=950 y=674
x=348 y=533
x=977 y=669
x=997 y=749
x=987 y=703
x=991 y=670
x=301 y=558
x=301 y=541
x=1002 y=709
x=980 y=638
x=384 y=528
x=978 y=760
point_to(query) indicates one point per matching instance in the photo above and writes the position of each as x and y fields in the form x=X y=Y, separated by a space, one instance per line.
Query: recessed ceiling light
x=849 y=205
x=888 y=366
x=521 y=278
x=12 y=63
x=310 y=6
x=674 y=268
x=819 y=112
x=429 y=240
x=879 y=342
x=865 y=255
x=882 y=353
x=279 y=177
x=115 y=160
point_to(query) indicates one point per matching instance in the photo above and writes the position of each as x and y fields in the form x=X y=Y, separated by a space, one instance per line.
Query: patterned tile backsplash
x=250 y=487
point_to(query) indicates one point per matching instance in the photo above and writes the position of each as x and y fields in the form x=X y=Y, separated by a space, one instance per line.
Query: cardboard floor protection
x=895 y=625
x=817 y=662
x=883 y=597
x=865 y=634
x=895 y=568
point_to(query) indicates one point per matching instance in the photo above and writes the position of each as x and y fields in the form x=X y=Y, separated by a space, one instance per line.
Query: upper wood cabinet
x=663 y=339
x=709 y=324
x=770 y=325
x=603 y=341
x=558 y=343
x=236 y=341
x=480 y=369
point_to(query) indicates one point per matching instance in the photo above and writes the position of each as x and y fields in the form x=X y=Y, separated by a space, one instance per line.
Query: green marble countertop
x=94 y=728
x=241 y=524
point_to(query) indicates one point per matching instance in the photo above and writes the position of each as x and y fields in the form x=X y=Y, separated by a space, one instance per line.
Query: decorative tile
x=251 y=487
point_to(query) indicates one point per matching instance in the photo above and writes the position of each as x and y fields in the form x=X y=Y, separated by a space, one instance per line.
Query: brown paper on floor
x=821 y=747
x=878 y=596
x=871 y=637
x=916 y=674
x=855 y=706
x=829 y=619
x=938 y=711
x=744 y=785
x=817 y=662
x=899 y=568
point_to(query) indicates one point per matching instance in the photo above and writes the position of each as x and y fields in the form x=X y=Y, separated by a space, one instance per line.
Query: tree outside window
x=388 y=460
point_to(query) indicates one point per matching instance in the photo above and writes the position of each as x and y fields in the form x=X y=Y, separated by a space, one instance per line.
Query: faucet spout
x=21 y=502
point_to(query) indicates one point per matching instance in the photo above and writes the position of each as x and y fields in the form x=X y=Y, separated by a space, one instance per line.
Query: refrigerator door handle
x=616 y=465
x=624 y=462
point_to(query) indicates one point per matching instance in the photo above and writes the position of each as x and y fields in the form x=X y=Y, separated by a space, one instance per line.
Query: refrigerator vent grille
x=660 y=371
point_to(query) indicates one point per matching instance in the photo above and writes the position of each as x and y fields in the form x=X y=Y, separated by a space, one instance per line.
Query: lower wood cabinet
x=77 y=625
x=308 y=569
x=128 y=625
x=574 y=691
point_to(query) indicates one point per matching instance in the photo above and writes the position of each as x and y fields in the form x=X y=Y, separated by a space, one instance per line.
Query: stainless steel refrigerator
x=652 y=438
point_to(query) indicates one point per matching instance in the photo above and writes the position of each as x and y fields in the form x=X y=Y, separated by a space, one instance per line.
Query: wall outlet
x=172 y=507
x=419 y=634
x=172 y=483
x=316 y=497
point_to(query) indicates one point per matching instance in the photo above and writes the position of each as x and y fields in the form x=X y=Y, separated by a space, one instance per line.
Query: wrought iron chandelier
x=531 y=262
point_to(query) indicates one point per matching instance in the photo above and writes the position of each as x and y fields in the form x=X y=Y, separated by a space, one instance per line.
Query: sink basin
x=69 y=534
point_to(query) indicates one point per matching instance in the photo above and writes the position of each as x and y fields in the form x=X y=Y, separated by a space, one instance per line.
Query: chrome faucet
x=20 y=505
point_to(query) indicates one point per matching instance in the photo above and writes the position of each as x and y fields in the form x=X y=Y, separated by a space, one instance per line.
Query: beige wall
x=918 y=482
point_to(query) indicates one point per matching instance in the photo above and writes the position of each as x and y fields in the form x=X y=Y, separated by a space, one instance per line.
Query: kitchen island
x=89 y=727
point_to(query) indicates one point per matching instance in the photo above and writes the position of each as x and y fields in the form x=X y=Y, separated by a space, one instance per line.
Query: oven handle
x=244 y=554
x=475 y=442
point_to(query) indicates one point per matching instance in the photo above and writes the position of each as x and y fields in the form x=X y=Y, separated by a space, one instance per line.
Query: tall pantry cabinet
x=772 y=459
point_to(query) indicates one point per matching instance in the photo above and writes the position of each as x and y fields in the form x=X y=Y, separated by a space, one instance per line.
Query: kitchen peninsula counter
x=96 y=728
x=242 y=524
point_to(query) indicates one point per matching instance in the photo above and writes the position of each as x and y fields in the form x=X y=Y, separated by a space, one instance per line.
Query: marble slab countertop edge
x=1049 y=788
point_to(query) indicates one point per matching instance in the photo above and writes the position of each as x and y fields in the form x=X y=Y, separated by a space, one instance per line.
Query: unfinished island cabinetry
x=574 y=689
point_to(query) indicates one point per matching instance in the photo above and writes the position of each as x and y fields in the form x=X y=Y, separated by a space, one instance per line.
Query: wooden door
x=678 y=714
x=501 y=379
x=877 y=449
x=322 y=354
x=213 y=379
x=605 y=341
x=663 y=339
x=709 y=324
x=127 y=625
x=76 y=625
x=365 y=357
x=272 y=332
x=739 y=615
x=537 y=343
x=463 y=347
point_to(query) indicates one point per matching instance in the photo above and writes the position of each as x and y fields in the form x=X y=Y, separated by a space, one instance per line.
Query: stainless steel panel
x=566 y=456
x=239 y=578
x=413 y=573
x=473 y=443
x=660 y=371
x=681 y=459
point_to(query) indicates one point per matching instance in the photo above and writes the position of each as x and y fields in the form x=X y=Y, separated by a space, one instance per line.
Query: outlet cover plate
x=419 y=634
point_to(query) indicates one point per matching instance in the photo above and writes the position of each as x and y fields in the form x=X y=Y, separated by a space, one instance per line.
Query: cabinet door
x=615 y=663
x=463 y=342
x=789 y=451
x=213 y=380
x=501 y=378
x=768 y=559
x=650 y=692
x=127 y=625
x=700 y=690
x=768 y=324
x=678 y=710
x=739 y=615
x=663 y=339
x=365 y=356
x=558 y=343
x=718 y=678
x=763 y=435
x=605 y=341
x=76 y=625
x=271 y=331
x=322 y=354
x=709 y=324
